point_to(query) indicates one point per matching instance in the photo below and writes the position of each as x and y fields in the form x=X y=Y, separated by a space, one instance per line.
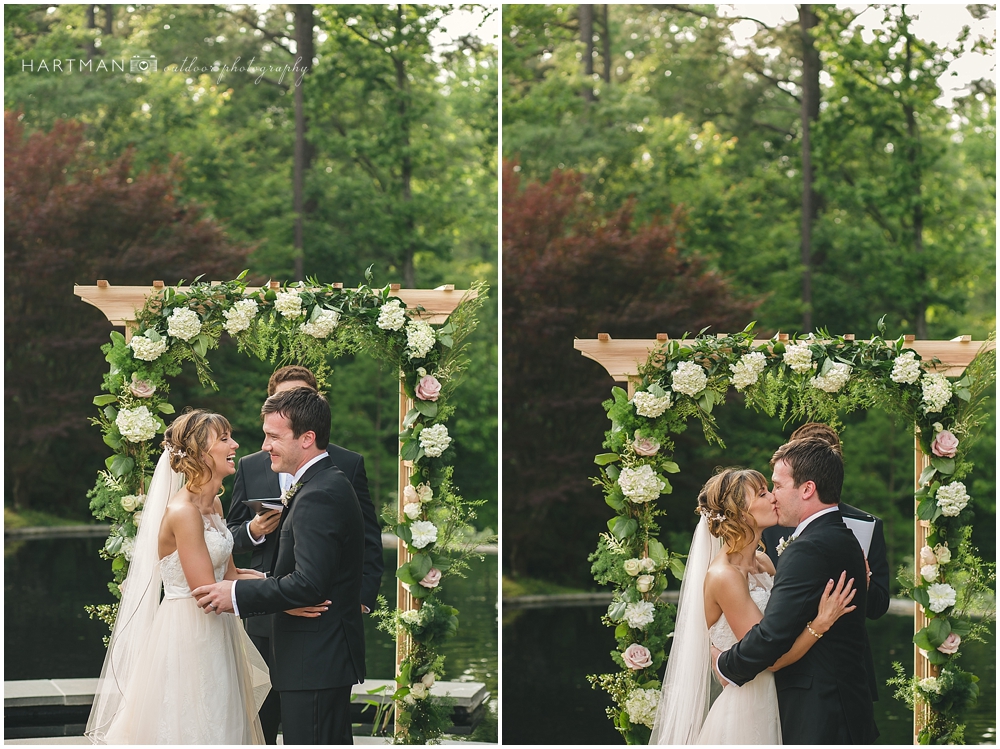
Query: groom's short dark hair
x=814 y=459
x=306 y=410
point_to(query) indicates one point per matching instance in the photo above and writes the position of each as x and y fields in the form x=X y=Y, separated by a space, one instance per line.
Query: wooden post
x=922 y=668
x=404 y=601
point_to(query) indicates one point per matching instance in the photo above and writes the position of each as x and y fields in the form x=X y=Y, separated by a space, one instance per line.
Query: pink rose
x=432 y=578
x=950 y=644
x=945 y=444
x=637 y=657
x=428 y=388
x=141 y=388
x=644 y=445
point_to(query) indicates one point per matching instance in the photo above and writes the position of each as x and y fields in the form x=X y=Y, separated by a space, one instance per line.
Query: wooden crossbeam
x=622 y=357
x=120 y=303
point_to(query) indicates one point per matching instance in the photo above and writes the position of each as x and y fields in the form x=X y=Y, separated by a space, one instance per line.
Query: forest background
x=660 y=177
x=170 y=171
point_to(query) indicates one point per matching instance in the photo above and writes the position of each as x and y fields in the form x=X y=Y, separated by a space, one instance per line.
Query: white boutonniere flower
x=286 y=496
x=783 y=544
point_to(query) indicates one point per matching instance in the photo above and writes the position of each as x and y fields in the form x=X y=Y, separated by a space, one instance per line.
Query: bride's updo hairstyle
x=723 y=502
x=187 y=440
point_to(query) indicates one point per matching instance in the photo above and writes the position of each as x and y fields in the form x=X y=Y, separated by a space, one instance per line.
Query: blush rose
x=637 y=657
x=428 y=388
x=950 y=644
x=945 y=444
x=432 y=578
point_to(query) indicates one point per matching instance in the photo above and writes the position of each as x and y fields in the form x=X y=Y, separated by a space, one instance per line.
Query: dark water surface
x=548 y=653
x=47 y=582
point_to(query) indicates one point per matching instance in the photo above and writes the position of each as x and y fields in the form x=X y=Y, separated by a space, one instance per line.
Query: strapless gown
x=200 y=680
x=747 y=714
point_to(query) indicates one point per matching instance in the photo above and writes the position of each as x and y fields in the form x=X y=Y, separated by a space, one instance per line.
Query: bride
x=722 y=596
x=173 y=675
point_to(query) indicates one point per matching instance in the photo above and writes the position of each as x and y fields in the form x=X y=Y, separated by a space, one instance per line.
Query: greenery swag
x=814 y=377
x=305 y=324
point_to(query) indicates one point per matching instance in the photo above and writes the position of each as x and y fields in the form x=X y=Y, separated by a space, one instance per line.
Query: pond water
x=548 y=653
x=47 y=582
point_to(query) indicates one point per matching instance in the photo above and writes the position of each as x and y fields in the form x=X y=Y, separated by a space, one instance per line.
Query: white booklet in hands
x=863 y=530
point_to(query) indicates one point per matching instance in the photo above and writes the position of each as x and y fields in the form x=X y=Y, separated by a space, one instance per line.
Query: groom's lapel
x=314 y=469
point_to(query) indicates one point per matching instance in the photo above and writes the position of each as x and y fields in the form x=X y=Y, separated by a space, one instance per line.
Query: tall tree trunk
x=585 y=13
x=917 y=216
x=109 y=20
x=303 y=152
x=406 y=164
x=810 y=112
x=91 y=24
x=606 y=44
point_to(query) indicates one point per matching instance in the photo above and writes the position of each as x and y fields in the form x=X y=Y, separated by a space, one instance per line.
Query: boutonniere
x=783 y=544
x=286 y=496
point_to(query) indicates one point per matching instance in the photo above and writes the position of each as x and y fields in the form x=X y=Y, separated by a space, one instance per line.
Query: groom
x=319 y=556
x=823 y=698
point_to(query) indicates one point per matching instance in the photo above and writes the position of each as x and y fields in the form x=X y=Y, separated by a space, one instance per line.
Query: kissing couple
x=787 y=641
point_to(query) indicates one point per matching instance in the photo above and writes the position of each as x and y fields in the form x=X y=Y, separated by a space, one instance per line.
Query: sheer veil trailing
x=139 y=601
x=686 y=694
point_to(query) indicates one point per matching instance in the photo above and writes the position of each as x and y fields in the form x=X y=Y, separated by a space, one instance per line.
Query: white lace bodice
x=760 y=591
x=219 y=541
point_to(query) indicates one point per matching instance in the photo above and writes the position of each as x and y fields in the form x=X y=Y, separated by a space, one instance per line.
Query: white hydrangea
x=799 y=357
x=145 y=349
x=930 y=684
x=240 y=316
x=641 y=706
x=748 y=369
x=411 y=617
x=412 y=510
x=128 y=546
x=929 y=572
x=435 y=440
x=424 y=532
x=289 y=304
x=649 y=405
x=689 y=378
x=835 y=378
x=323 y=325
x=391 y=315
x=638 y=615
x=942 y=596
x=952 y=498
x=184 y=324
x=937 y=392
x=419 y=338
x=137 y=424
x=905 y=368
x=640 y=484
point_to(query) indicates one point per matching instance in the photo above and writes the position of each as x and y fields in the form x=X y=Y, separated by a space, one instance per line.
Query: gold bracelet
x=812 y=631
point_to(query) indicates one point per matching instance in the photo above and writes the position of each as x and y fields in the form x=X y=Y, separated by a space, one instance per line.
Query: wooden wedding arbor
x=120 y=304
x=622 y=359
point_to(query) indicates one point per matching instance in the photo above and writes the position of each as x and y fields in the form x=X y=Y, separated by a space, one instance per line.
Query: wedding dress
x=740 y=715
x=174 y=674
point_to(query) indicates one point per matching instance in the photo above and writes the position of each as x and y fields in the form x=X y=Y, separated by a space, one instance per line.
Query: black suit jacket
x=319 y=556
x=878 y=589
x=823 y=698
x=255 y=480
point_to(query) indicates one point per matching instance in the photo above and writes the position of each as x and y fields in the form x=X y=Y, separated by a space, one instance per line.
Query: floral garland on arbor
x=814 y=377
x=305 y=324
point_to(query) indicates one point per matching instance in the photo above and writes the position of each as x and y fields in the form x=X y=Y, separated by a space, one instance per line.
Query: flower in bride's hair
x=641 y=706
x=650 y=405
x=941 y=597
x=637 y=657
x=640 y=484
x=799 y=358
x=905 y=368
x=240 y=316
x=141 y=388
x=391 y=315
x=640 y=614
x=147 y=349
x=183 y=323
x=424 y=532
x=644 y=583
x=645 y=446
x=137 y=424
x=689 y=378
x=748 y=369
x=288 y=303
x=633 y=567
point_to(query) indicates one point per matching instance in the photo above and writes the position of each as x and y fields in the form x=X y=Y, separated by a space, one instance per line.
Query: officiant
x=254 y=531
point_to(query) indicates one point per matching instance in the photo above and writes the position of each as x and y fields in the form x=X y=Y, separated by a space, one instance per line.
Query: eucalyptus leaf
x=617 y=610
x=103 y=400
x=604 y=458
x=671 y=467
x=165 y=408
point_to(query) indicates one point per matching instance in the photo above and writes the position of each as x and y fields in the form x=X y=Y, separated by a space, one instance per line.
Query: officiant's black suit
x=319 y=555
x=256 y=480
x=823 y=698
x=878 y=589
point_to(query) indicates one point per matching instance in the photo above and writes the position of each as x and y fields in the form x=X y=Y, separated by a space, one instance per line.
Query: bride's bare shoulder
x=721 y=575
